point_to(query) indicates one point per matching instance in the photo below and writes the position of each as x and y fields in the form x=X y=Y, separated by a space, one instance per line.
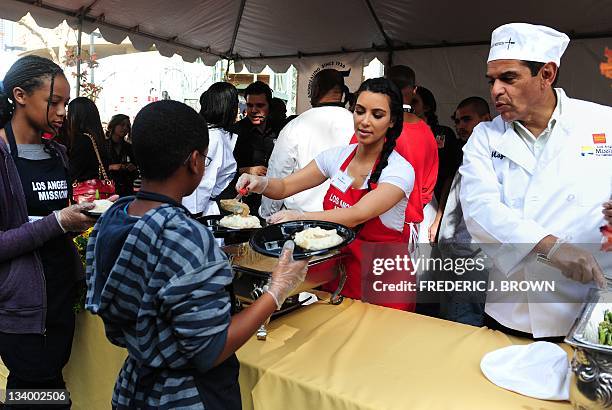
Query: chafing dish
x=591 y=384
x=252 y=272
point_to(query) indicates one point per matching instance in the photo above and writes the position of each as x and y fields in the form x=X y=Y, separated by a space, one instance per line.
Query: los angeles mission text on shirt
x=51 y=190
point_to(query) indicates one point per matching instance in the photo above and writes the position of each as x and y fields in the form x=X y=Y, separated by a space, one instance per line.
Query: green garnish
x=605 y=329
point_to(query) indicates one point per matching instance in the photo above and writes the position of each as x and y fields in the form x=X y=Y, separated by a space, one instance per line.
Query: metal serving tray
x=581 y=334
x=591 y=377
x=252 y=270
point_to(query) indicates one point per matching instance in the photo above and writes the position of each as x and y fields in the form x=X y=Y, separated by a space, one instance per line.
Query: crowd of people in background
x=264 y=141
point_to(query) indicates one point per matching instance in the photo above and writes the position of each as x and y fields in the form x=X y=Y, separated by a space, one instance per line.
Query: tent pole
x=226 y=76
x=80 y=35
x=92 y=51
x=236 y=28
x=379 y=24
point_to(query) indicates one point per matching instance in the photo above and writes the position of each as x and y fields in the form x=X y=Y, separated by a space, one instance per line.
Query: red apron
x=371 y=231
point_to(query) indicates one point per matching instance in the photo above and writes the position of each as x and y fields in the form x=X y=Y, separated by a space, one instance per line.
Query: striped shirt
x=163 y=299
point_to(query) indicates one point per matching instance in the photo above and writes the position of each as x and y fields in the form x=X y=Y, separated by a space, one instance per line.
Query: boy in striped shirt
x=157 y=279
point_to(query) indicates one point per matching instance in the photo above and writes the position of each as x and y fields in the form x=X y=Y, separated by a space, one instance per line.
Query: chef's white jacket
x=217 y=175
x=511 y=201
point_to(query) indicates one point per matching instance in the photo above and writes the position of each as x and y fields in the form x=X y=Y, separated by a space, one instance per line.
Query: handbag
x=101 y=188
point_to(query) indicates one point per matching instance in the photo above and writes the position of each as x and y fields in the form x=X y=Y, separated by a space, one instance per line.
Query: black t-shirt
x=124 y=179
x=253 y=148
x=450 y=155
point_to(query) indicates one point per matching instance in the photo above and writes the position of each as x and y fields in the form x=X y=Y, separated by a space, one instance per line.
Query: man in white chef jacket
x=534 y=181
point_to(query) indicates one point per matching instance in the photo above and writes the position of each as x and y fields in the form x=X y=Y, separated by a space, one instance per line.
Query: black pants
x=495 y=325
x=36 y=361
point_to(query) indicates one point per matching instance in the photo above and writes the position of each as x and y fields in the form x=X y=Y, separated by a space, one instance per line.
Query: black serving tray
x=269 y=240
x=212 y=222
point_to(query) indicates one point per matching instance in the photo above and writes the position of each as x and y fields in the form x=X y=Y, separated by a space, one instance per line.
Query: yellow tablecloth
x=351 y=356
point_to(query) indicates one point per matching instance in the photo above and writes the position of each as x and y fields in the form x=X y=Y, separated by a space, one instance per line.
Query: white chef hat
x=539 y=370
x=527 y=42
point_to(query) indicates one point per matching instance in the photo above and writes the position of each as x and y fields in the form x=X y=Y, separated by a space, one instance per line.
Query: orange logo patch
x=606 y=68
x=599 y=138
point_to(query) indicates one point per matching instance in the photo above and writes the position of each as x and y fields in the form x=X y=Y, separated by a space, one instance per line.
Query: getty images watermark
x=459 y=266
x=390 y=275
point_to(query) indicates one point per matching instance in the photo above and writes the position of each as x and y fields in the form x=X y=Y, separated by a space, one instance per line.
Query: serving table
x=349 y=356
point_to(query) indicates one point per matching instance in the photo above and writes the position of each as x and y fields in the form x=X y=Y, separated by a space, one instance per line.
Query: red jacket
x=418 y=146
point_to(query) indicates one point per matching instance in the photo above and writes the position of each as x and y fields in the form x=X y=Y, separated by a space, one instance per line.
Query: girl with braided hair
x=370 y=182
x=39 y=265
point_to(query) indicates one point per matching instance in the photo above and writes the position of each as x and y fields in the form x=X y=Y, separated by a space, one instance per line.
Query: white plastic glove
x=576 y=264
x=252 y=183
x=285 y=215
x=72 y=218
x=287 y=275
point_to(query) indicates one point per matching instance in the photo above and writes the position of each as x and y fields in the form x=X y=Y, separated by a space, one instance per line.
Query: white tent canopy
x=445 y=41
x=275 y=32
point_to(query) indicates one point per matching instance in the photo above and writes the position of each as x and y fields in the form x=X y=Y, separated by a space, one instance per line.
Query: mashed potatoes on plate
x=240 y=222
x=317 y=238
x=101 y=206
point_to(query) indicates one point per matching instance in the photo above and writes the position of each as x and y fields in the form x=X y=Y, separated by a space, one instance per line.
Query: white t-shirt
x=311 y=133
x=398 y=172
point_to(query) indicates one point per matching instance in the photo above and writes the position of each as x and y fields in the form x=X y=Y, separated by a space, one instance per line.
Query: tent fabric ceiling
x=275 y=32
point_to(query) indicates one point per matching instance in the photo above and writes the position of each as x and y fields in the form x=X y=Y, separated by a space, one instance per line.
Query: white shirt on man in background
x=218 y=174
x=300 y=141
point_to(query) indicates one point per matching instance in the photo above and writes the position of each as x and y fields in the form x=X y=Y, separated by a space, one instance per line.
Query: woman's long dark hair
x=429 y=101
x=29 y=74
x=384 y=86
x=83 y=117
x=219 y=105
x=114 y=121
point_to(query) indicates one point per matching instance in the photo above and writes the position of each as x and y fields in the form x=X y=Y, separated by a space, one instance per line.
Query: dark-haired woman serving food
x=370 y=182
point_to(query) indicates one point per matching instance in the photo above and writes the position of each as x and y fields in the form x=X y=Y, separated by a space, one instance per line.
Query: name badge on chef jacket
x=342 y=181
